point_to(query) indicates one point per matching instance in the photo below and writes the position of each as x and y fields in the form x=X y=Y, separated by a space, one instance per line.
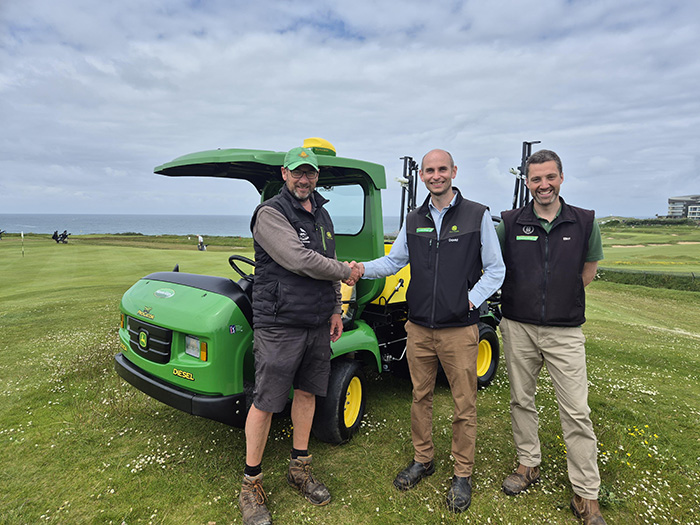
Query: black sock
x=252 y=471
x=296 y=453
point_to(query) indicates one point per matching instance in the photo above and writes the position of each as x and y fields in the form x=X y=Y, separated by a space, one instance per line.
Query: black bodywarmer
x=543 y=283
x=281 y=297
x=444 y=264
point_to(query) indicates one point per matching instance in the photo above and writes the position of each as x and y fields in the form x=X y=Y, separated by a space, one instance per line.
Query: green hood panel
x=212 y=309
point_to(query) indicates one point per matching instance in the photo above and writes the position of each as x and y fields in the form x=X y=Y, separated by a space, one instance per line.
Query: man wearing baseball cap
x=296 y=314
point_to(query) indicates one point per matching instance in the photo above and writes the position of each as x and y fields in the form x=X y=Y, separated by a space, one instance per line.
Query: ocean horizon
x=86 y=224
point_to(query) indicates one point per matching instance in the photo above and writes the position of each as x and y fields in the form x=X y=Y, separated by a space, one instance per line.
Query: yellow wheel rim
x=353 y=401
x=483 y=360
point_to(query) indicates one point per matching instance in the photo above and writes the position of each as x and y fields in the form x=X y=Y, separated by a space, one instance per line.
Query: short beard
x=555 y=196
x=300 y=199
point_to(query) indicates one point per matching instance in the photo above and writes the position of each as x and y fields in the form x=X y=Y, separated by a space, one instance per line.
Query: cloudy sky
x=94 y=95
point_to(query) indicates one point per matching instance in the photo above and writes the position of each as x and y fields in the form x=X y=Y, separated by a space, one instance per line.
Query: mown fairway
x=79 y=445
x=652 y=248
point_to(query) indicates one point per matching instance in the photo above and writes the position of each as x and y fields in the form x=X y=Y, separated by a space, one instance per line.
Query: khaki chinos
x=456 y=349
x=527 y=347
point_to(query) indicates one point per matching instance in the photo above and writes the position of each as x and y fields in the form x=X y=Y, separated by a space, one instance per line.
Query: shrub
x=674 y=281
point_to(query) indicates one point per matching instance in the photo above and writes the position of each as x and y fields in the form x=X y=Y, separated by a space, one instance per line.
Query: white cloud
x=93 y=96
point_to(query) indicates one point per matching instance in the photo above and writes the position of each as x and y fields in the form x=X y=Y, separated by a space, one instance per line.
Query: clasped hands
x=358 y=270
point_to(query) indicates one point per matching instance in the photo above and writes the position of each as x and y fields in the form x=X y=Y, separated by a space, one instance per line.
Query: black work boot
x=252 y=502
x=299 y=476
x=459 y=497
x=413 y=473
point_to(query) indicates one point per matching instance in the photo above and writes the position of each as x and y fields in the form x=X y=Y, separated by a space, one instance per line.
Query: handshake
x=358 y=270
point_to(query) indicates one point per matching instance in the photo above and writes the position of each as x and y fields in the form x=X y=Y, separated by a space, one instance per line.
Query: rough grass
x=78 y=445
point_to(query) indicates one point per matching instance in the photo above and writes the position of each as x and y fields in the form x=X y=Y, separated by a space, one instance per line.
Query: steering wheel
x=246 y=276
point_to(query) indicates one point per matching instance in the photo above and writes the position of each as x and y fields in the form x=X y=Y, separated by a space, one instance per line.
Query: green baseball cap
x=296 y=157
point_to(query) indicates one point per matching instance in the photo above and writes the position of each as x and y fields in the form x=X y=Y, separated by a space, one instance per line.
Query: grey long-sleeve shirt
x=278 y=238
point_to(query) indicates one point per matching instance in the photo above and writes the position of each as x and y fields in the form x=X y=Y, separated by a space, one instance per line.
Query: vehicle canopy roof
x=261 y=167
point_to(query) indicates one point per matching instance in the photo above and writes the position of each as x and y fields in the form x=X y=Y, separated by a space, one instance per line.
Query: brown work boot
x=521 y=479
x=587 y=510
x=299 y=476
x=252 y=502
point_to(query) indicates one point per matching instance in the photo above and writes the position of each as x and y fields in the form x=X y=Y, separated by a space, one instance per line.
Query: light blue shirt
x=491 y=258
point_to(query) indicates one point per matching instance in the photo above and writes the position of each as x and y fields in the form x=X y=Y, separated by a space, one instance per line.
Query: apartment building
x=687 y=206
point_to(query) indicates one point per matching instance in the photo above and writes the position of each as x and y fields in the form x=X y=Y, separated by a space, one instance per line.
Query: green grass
x=652 y=248
x=79 y=445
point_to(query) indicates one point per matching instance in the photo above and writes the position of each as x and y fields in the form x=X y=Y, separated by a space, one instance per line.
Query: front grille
x=149 y=341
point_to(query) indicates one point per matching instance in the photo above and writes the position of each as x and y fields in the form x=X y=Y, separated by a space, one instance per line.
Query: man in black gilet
x=456 y=265
x=551 y=250
x=296 y=314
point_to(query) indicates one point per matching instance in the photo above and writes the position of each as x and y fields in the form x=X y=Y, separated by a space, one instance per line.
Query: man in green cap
x=296 y=314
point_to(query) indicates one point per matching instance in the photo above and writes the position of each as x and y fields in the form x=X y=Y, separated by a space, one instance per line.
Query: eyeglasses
x=298 y=174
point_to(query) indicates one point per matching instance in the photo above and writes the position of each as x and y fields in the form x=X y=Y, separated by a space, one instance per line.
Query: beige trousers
x=527 y=347
x=456 y=349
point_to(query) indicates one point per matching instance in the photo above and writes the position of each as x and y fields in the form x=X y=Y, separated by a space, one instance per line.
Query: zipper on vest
x=435 y=280
x=323 y=237
x=546 y=272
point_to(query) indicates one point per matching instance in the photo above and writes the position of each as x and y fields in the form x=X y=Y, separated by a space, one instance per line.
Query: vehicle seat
x=246 y=284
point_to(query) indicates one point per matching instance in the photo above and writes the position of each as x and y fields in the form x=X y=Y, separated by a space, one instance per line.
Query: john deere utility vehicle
x=187 y=339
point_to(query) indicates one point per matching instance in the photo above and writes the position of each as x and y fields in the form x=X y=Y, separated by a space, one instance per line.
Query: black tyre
x=489 y=350
x=339 y=414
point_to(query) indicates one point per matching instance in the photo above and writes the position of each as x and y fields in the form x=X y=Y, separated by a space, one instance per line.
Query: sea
x=205 y=225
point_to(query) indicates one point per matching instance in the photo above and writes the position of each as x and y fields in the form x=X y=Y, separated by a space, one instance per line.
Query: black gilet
x=281 y=297
x=543 y=283
x=445 y=264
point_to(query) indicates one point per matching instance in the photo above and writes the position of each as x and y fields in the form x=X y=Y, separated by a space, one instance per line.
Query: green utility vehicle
x=187 y=339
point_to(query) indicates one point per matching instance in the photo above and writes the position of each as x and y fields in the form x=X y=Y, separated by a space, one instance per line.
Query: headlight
x=195 y=348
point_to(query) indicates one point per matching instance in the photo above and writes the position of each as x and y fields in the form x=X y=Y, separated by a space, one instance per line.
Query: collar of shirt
x=438 y=215
x=544 y=222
